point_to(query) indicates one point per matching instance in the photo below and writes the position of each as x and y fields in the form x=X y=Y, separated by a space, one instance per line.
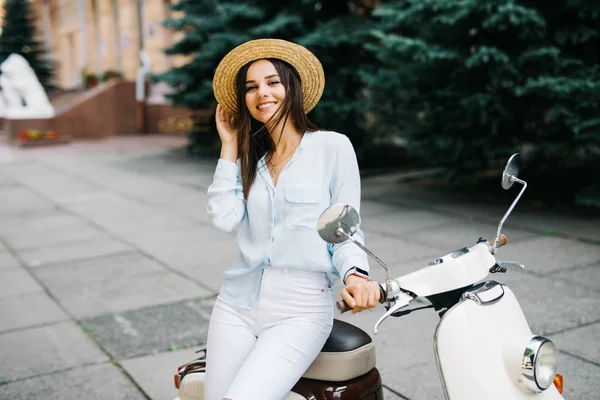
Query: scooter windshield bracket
x=485 y=293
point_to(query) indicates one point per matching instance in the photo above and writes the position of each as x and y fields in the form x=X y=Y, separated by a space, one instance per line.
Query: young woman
x=276 y=173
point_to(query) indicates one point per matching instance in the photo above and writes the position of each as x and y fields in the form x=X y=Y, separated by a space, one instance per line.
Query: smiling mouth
x=265 y=106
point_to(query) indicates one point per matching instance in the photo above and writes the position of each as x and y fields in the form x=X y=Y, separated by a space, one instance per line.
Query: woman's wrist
x=229 y=152
x=357 y=272
x=351 y=277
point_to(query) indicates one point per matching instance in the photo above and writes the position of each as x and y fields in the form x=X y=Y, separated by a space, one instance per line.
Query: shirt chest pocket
x=302 y=207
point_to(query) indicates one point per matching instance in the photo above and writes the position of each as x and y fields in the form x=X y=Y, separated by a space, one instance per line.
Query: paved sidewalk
x=109 y=267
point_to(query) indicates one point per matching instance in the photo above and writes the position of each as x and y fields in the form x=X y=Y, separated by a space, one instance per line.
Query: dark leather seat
x=349 y=352
x=345 y=337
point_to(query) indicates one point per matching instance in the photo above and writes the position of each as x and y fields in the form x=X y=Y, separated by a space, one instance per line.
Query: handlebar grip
x=502 y=240
x=342 y=306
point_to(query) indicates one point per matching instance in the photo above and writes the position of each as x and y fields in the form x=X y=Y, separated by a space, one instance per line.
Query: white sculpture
x=23 y=94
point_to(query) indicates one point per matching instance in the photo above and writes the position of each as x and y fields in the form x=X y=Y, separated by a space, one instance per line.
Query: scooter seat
x=348 y=353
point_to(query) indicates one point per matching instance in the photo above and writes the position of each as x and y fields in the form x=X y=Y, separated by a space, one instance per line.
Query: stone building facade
x=95 y=36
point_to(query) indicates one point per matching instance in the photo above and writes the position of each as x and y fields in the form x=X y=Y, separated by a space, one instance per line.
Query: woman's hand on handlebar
x=361 y=294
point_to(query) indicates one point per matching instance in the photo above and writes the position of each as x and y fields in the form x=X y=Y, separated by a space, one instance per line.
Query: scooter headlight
x=539 y=364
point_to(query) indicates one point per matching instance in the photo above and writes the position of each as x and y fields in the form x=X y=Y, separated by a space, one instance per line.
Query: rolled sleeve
x=345 y=189
x=226 y=205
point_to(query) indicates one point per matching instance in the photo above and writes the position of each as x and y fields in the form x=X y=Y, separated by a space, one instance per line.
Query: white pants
x=261 y=353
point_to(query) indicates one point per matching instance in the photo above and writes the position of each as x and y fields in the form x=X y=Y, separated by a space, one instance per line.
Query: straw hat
x=308 y=66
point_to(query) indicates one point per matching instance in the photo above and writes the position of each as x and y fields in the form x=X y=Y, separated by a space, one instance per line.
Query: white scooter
x=483 y=345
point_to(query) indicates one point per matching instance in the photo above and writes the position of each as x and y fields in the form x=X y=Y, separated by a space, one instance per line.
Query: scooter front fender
x=479 y=346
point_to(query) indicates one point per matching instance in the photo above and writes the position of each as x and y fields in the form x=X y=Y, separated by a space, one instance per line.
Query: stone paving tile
x=140 y=291
x=6 y=181
x=151 y=330
x=116 y=147
x=18 y=200
x=204 y=266
x=586 y=276
x=419 y=382
x=389 y=395
x=373 y=208
x=71 y=234
x=139 y=221
x=17 y=281
x=51 y=182
x=462 y=233
x=13 y=222
x=114 y=267
x=73 y=251
x=570 y=223
x=570 y=341
x=166 y=164
x=119 y=180
x=38 y=223
x=7 y=260
x=397 y=251
x=206 y=275
x=97 y=382
x=548 y=254
x=181 y=196
x=44 y=350
x=580 y=378
x=192 y=207
x=404 y=220
x=97 y=201
x=184 y=247
x=552 y=305
x=28 y=309
x=154 y=373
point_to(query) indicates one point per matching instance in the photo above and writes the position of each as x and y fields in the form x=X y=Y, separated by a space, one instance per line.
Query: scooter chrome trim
x=436 y=352
x=530 y=360
x=485 y=293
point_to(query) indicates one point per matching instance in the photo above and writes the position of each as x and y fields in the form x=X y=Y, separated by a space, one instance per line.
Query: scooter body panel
x=458 y=269
x=479 y=348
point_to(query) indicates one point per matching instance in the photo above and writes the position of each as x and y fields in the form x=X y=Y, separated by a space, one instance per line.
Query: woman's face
x=264 y=90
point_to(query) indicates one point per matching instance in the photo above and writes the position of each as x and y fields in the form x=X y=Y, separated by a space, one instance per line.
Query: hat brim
x=308 y=66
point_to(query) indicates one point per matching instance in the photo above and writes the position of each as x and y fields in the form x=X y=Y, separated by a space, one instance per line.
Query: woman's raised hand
x=226 y=126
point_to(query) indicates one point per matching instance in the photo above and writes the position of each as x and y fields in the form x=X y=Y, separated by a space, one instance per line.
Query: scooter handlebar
x=342 y=306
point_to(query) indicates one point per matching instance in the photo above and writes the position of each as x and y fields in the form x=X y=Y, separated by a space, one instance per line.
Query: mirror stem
x=514 y=203
x=341 y=232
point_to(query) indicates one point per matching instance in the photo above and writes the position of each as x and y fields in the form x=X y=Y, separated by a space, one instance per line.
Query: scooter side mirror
x=511 y=171
x=509 y=176
x=338 y=217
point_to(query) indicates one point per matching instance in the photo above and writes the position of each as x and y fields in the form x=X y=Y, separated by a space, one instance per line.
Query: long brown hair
x=254 y=140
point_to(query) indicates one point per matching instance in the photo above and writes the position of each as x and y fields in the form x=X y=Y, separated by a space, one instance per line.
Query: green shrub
x=110 y=74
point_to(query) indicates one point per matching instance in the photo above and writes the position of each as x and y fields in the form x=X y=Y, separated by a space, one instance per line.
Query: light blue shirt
x=277 y=225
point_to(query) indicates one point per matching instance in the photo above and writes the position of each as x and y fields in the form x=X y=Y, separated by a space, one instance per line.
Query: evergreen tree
x=19 y=36
x=470 y=81
x=336 y=35
x=331 y=29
